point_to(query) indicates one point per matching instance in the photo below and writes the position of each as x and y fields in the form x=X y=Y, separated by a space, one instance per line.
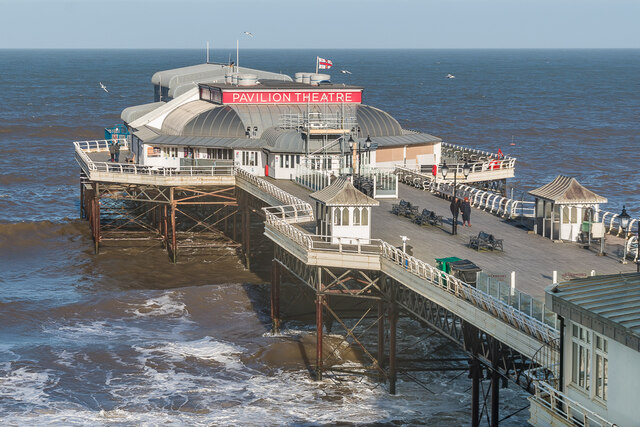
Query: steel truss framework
x=177 y=217
x=500 y=361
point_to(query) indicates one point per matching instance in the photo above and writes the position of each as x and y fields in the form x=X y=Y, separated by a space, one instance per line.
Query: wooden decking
x=532 y=257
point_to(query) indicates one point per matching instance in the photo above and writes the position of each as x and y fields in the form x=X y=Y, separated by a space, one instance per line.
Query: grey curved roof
x=406 y=138
x=132 y=113
x=280 y=140
x=180 y=80
x=201 y=118
x=375 y=122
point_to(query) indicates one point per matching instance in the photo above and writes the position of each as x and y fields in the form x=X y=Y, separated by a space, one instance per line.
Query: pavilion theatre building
x=268 y=124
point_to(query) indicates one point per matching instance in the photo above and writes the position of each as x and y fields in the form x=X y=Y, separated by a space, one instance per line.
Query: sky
x=429 y=24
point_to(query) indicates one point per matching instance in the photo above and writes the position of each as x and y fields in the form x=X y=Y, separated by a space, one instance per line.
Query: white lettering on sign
x=292 y=97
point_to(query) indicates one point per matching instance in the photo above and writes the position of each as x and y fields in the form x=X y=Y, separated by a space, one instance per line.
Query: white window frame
x=589 y=362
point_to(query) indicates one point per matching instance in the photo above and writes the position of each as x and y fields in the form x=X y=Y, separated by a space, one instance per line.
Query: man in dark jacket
x=112 y=151
x=455 y=209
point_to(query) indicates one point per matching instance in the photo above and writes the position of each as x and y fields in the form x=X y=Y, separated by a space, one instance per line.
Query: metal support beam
x=495 y=385
x=476 y=373
x=393 y=322
x=275 y=296
x=174 y=246
x=381 y=333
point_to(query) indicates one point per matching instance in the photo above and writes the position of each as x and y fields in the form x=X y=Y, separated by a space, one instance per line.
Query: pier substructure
x=363 y=313
x=175 y=217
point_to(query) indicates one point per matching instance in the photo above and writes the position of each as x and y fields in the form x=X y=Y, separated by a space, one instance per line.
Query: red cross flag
x=324 y=64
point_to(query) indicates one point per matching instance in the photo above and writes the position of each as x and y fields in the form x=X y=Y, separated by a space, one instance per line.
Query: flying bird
x=345 y=71
x=248 y=33
x=103 y=87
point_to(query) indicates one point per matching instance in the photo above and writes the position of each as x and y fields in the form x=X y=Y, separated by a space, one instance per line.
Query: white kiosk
x=343 y=213
x=561 y=207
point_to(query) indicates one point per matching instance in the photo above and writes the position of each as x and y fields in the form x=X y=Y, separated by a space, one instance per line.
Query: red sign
x=292 y=97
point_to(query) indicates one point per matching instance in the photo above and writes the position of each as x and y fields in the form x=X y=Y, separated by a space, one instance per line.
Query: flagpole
x=317 y=60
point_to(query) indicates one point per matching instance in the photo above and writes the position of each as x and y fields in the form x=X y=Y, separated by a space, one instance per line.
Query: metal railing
x=86 y=163
x=558 y=403
x=291 y=213
x=480 y=199
x=316 y=242
x=272 y=190
x=482 y=300
x=519 y=300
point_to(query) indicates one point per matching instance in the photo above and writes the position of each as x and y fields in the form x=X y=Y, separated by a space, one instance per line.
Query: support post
x=275 y=296
x=393 y=320
x=381 y=333
x=475 y=392
x=96 y=220
x=495 y=384
x=174 y=249
x=165 y=230
x=82 y=213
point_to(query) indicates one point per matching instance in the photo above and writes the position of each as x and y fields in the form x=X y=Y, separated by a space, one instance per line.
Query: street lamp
x=355 y=146
x=466 y=169
x=624 y=223
x=353 y=155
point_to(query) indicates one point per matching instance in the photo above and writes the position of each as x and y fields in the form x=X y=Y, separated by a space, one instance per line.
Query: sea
x=128 y=338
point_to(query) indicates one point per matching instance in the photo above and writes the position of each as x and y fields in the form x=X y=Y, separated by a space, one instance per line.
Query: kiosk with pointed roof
x=561 y=207
x=343 y=212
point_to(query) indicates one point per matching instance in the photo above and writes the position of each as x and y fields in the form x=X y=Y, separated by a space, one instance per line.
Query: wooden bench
x=485 y=241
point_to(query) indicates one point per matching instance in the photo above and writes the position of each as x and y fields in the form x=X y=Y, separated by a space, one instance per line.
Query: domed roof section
x=375 y=122
x=201 y=118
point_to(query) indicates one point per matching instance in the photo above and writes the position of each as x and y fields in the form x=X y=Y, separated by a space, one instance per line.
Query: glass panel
x=356 y=216
x=587 y=379
x=345 y=216
x=574 y=364
x=365 y=216
x=337 y=212
x=599 y=376
x=605 y=375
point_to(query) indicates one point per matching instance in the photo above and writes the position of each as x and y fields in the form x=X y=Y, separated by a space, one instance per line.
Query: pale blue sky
x=320 y=23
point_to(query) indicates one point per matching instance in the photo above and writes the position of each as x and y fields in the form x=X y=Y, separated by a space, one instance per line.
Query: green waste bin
x=443 y=263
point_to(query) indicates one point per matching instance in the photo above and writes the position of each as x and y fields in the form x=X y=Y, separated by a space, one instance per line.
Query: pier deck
x=532 y=257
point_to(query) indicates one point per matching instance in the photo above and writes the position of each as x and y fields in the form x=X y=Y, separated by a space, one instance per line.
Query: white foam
x=167 y=305
x=25 y=386
x=206 y=349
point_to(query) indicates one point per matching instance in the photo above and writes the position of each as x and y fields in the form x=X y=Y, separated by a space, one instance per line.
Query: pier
x=216 y=207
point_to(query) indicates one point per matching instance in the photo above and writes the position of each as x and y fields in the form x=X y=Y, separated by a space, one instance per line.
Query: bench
x=485 y=241
x=428 y=217
x=404 y=208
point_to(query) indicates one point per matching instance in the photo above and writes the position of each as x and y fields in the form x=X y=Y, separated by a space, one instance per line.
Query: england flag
x=324 y=64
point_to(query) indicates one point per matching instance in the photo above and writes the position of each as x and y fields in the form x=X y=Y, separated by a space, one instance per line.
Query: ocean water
x=126 y=338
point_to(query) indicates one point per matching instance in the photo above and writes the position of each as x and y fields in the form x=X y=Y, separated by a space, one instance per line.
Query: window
x=345 y=216
x=173 y=151
x=297 y=159
x=286 y=161
x=249 y=158
x=154 y=151
x=365 y=216
x=219 y=153
x=337 y=215
x=356 y=216
x=584 y=344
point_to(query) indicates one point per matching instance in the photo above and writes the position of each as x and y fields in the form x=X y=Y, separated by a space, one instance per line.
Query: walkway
x=532 y=257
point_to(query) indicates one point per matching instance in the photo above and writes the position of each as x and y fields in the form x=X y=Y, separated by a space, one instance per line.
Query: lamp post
x=353 y=158
x=624 y=223
x=465 y=171
x=357 y=148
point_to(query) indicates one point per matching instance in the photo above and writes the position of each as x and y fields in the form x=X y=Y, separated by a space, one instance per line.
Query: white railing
x=292 y=213
x=485 y=302
x=316 y=242
x=272 y=190
x=479 y=160
x=558 y=403
x=83 y=159
x=480 y=199
x=612 y=224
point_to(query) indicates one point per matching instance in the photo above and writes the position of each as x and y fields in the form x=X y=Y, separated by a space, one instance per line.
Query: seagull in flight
x=248 y=33
x=103 y=87
x=345 y=71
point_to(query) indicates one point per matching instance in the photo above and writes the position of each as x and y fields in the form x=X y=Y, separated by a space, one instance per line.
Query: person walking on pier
x=466 y=212
x=117 y=151
x=112 y=151
x=455 y=209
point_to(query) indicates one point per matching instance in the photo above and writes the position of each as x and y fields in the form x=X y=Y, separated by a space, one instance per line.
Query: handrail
x=560 y=404
x=457 y=287
x=272 y=190
x=84 y=147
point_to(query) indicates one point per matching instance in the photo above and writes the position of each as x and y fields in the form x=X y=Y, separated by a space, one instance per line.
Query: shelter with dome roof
x=561 y=207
